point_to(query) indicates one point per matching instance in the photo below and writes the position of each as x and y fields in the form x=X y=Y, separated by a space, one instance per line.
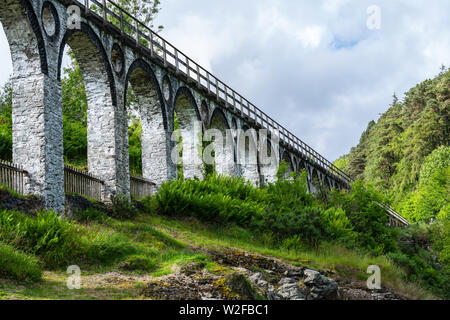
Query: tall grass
x=54 y=240
x=18 y=265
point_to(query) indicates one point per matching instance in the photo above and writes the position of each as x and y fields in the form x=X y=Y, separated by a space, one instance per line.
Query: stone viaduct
x=114 y=50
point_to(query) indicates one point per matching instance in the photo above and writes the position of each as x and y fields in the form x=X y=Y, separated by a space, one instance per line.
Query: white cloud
x=310 y=36
x=333 y=6
x=5 y=58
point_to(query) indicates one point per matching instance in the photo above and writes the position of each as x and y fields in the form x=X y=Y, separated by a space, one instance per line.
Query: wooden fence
x=12 y=176
x=140 y=187
x=75 y=181
x=82 y=183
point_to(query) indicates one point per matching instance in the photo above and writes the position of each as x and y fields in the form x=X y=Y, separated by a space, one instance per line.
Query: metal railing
x=140 y=187
x=394 y=215
x=82 y=183
x=12 y=176
x=160 y=49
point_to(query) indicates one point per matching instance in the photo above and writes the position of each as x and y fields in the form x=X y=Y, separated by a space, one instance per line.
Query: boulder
x=288 y=289
x=241 y=286
x=320 y=287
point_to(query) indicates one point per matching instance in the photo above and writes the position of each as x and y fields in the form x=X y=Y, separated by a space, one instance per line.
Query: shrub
x=338 y=226
x=108 y=248
x=303 y=222
x=18 y=265
x=293 y=243
x=53 y=239
x=138 y=263
x=368 y=220
x=122 y=208
x=217 y=199
x=90 y=215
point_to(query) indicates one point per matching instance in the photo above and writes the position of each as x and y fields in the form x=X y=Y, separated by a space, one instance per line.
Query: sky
x=323 y=69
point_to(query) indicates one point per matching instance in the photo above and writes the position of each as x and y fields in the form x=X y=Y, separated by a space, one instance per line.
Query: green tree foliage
x=144 y=10
x=406 y=156
x=6 y=122
x=135 y=147
x=74 y=104
x=393 y=151
x=432 y=194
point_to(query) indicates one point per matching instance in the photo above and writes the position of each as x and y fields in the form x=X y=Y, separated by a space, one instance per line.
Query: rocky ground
x=254 y=276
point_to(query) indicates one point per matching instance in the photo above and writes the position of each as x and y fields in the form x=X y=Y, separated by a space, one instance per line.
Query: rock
x=263 y=286
x=289 y=290
x=240 y=285
x=272 y=294
x=257 y=280
x=296 y=274
x=192 y=268
x=321 y=287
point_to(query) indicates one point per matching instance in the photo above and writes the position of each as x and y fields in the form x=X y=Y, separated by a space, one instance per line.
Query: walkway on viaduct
x=115 y=50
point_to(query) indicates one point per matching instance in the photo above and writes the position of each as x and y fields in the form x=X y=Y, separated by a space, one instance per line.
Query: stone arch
x=223 y=143
x=205 y=114
x=25 y=38
x=36 y=111
x=89 y=51
x=315 y=181
x=301 y=166
x=155 y=155
x=247 y=154
x=189 y=120
x=106 y=122
x=329 y=183
x=268 y=161
x=287 y=158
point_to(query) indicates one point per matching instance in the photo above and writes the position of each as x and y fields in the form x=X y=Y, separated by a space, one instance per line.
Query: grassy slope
x=173 y=242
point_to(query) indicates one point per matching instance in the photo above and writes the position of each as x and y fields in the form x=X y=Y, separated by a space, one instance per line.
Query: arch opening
x=104 y=123
x=315 y=184
x=189 y=136
x=247 y=148
x=286 y=159
x=269 y=162
x=147 y=132
x=223 y=144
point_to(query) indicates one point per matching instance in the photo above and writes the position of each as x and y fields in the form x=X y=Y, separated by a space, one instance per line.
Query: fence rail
x=140 y=187
x=82 y=183
x=160 y=49
x=394 y=215
x=12 y=176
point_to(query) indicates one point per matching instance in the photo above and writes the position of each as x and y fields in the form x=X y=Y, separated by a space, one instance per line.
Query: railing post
x=121 y=23
x=217 y=90
x=199 y=81
x=188 y=69
x=152 y=53
x=226 y=96
x=137 y=32
x=164 y=53
x=105 y=17
x=177 y=67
